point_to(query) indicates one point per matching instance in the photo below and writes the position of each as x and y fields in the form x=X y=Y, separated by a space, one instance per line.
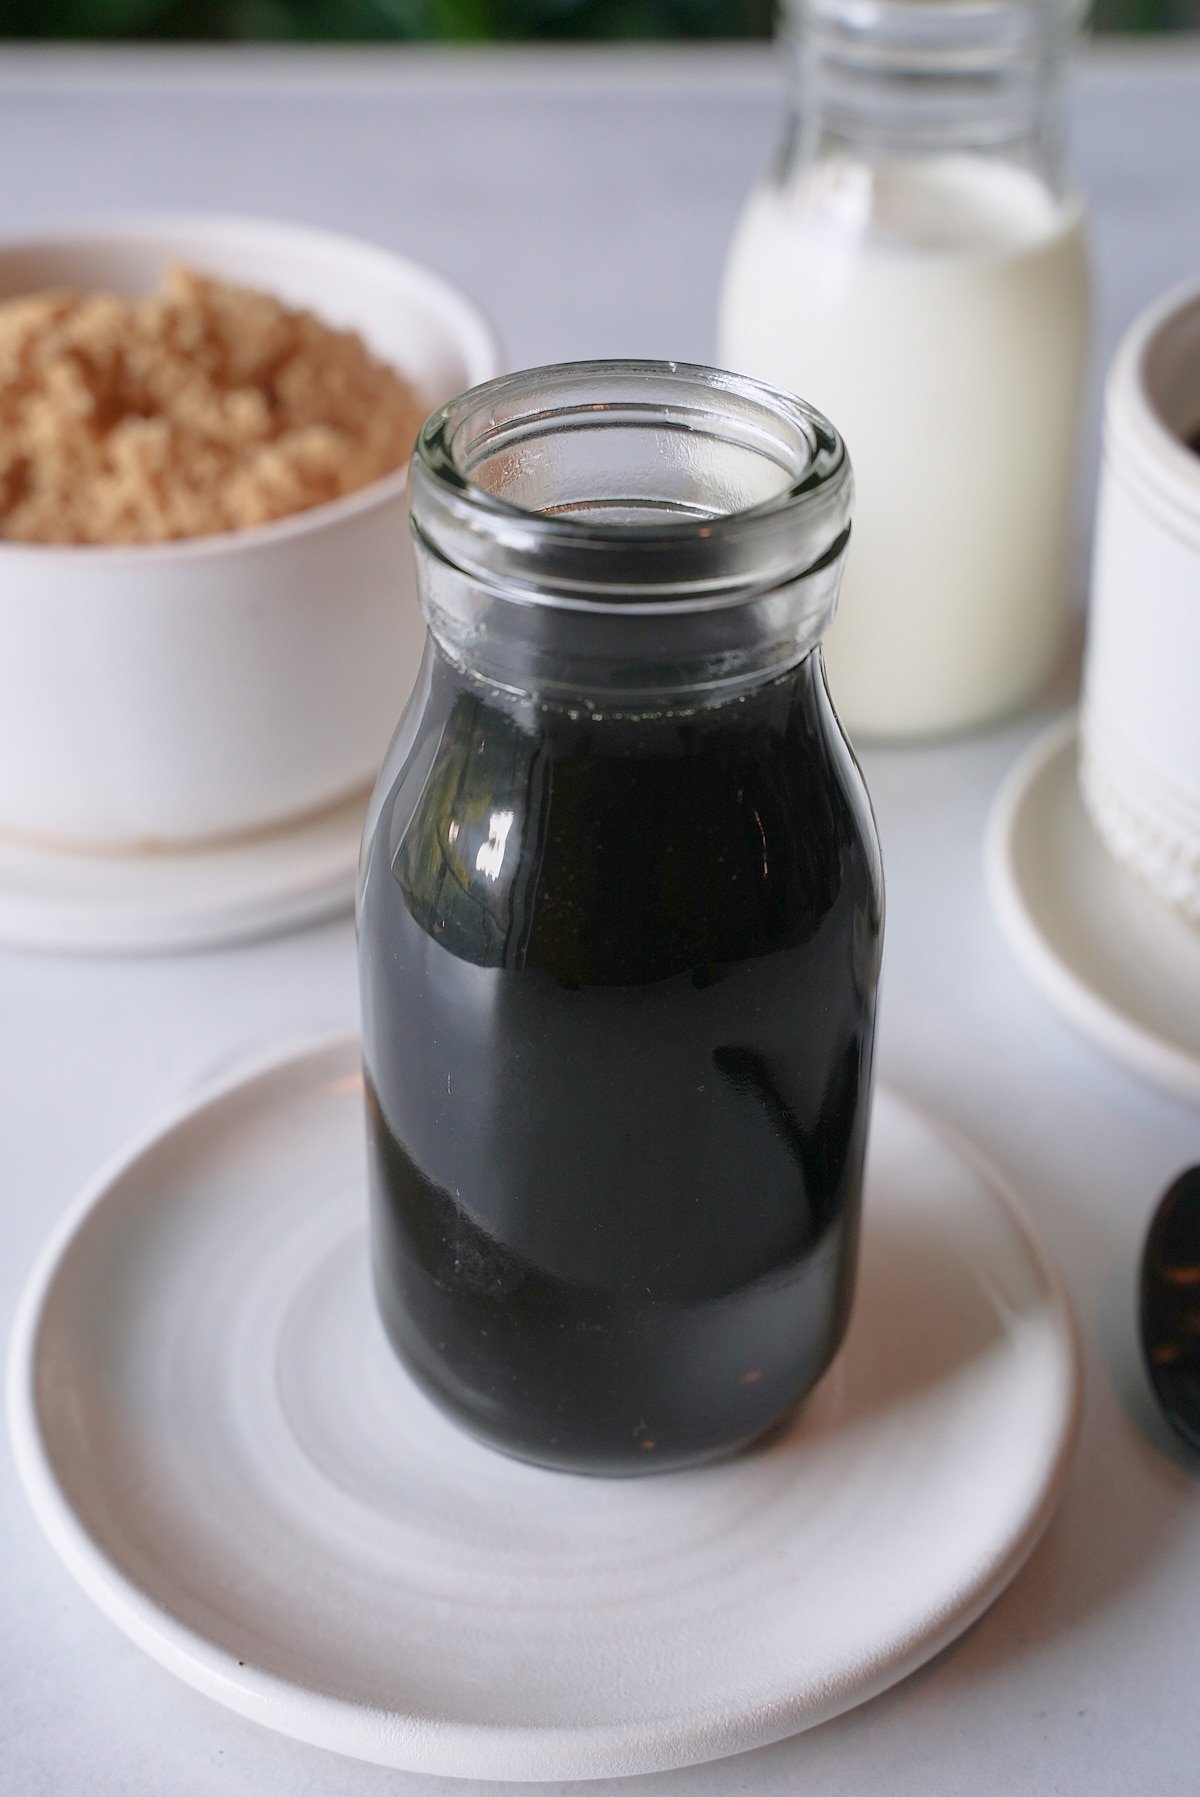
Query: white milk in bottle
x=918 y=271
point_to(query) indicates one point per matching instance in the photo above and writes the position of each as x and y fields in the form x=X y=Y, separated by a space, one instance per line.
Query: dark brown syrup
x=618 y=990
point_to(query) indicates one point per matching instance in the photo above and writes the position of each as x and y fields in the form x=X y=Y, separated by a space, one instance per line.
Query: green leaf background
x=463 y=21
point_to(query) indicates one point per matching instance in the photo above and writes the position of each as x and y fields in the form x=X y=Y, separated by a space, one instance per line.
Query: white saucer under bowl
x=173 y=899
x=1115 y=960
x=220 y=1445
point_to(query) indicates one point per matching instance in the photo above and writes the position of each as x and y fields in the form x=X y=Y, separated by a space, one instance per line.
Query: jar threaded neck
x=928 y=76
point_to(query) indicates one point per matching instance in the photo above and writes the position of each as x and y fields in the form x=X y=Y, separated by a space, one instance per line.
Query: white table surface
x=587 y=199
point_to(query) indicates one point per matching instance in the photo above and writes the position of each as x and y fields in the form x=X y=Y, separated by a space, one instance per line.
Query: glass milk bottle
x=917 y=267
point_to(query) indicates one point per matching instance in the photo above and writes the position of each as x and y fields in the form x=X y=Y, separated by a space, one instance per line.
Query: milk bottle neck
x=888 y=80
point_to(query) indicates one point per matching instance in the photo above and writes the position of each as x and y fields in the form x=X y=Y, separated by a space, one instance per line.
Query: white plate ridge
x=80 y=902
x=220 y=1445
x=1111 y=956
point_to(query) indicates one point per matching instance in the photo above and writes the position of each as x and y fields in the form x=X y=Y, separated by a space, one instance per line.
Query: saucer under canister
x=1107 y=951
x=76 y=901
x=236 y=1468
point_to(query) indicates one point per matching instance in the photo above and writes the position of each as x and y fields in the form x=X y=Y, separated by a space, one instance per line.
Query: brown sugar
x=200 y=408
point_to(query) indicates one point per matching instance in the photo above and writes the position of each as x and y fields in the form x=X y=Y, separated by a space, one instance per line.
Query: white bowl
x=167 y=694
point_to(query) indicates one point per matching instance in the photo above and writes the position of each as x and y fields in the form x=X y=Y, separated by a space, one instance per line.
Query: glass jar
x=917 y=265
x=620 y=921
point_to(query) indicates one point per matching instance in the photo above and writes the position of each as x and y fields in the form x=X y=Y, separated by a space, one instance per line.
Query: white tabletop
x=586 y=199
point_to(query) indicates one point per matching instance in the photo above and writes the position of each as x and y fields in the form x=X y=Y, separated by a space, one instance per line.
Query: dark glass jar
x=620 y=922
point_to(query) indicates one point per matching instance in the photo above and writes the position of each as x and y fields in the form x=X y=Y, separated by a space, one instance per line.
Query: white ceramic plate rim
x=1096 y=1017
x=465 y=1749
x=304 y=880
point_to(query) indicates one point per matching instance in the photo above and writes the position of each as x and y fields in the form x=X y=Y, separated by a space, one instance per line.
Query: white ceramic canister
x=916 y=267
x=1140 y=726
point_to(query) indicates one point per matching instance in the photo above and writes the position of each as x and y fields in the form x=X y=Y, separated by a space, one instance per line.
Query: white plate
x=1109 y=955
x=222 y=1448
x=180 y=898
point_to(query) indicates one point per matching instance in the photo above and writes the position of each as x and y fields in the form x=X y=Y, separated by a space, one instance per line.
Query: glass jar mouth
x=639 y=484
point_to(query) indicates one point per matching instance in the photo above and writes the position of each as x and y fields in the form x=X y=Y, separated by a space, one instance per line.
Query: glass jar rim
x=949 y=26
x=685 y=554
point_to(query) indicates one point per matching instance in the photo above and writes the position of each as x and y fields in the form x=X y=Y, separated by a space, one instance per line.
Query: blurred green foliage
x=358 y=21
x=365 y=21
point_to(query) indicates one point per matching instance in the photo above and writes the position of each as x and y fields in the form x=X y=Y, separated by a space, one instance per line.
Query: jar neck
x=628 y=532
x=635 y=658
x=888 y=79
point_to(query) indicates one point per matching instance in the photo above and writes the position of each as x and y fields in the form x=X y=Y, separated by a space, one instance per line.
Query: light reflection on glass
x=490 y=858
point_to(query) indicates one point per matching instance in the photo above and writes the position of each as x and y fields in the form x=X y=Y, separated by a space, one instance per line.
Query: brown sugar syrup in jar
x=620 y=925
